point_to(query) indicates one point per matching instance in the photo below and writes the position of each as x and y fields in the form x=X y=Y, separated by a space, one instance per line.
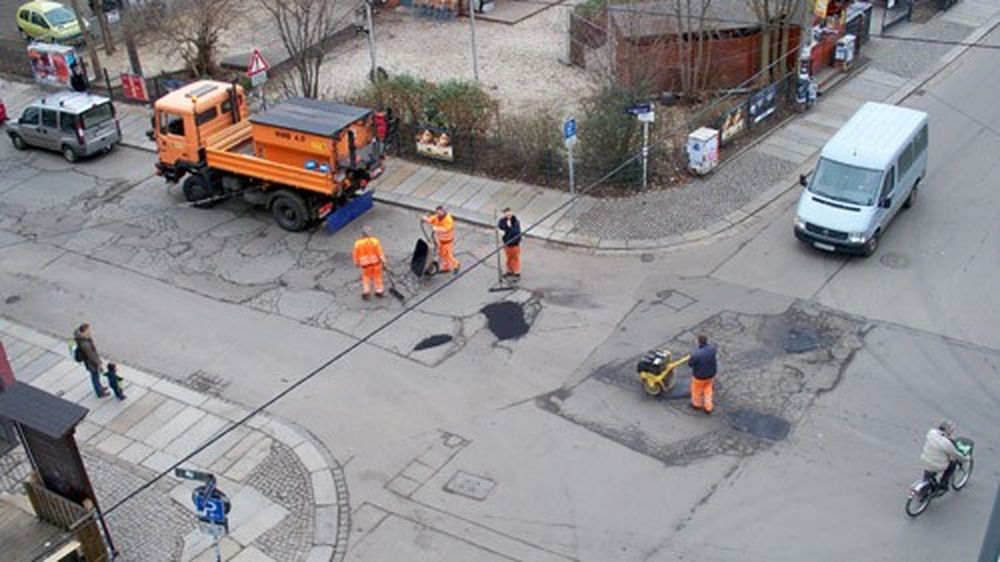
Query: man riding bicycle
x=940 y=453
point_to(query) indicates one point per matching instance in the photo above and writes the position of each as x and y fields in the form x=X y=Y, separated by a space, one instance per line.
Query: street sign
x=640 y=108
x=647 y=117
x=258 y=79
x=569 y=132
x=257 y=64
x=211 y=503
x=188 y=474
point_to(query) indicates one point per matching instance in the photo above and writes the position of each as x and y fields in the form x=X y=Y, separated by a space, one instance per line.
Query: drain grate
x=206 y=382
x=470 y=485
x=761 y=425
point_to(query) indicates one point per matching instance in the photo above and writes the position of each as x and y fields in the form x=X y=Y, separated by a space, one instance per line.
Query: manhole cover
x=646 y=258
x=761 y=425
x=801 y=340
x=12 y=299
x=432 y=341
x=893 y=260
x=470 y=485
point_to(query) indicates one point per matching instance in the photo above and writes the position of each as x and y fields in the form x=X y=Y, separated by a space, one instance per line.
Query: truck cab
x=184 y=118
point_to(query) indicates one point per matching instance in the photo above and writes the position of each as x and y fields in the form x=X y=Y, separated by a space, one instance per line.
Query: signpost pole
x=572 y=185
x=475 y=46
x=371 y=39
x=645 y=153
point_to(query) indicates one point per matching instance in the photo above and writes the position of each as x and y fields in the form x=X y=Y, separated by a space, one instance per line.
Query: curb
x=327 y=481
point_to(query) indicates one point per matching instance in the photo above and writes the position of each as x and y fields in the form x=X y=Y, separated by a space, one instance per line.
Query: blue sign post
x=569 y=137
x=211 y=504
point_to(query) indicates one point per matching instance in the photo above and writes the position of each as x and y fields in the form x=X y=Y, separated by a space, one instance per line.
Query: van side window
x=30 y=116
x=50 y=118
x=206 y=116
x=906 y=160
x=889 y=182
x=920 y=143
x=67 y=122
x=171 y=124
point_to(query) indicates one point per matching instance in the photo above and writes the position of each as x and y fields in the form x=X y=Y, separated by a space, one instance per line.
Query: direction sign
x=257 y=64
x=189 y=474
x=640 y=108
x=569 y=131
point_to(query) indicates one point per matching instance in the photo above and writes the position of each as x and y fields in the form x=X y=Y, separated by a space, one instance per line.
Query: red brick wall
x=731 y=61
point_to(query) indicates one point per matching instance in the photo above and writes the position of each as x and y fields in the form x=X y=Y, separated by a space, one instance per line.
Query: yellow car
x=41 y=20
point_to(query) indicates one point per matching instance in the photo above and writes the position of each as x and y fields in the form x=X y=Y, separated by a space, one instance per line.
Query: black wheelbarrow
x=424 y=263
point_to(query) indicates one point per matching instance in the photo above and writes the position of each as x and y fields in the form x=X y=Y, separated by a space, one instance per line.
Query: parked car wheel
x=911 y=199
x=872 y=246
x=18 y=142
x=69 y=154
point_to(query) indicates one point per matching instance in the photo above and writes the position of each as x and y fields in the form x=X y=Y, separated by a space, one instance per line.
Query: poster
x=763 y=103
x=134 y=87
x=51 y=64
x=733 y=123
x=434 y=142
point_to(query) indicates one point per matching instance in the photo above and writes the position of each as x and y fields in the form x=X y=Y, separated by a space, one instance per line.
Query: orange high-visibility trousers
x=701 y=393
x=446 y=256
x=371 y=274
x=513 y=254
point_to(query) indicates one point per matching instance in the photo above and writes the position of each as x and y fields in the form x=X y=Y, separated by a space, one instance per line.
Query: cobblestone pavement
x=288 y=494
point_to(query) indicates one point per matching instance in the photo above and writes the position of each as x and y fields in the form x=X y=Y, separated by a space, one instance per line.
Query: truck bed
x=231 y=150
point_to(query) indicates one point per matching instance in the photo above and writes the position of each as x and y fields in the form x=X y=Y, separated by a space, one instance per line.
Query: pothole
x=765 y=426
x=801 y=340
x=433 y=341
x=506 y=319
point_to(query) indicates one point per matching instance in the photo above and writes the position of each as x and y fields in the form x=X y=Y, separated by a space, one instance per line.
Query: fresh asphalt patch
x=433 y=341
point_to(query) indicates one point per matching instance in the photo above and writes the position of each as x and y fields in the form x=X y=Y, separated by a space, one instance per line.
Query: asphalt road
x=543 y=447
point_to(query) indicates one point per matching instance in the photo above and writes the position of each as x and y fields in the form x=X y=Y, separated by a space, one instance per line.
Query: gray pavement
x=287 y=492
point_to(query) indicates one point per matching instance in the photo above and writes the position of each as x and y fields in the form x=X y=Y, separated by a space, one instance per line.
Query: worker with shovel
x=444 y=235
x=369 y=258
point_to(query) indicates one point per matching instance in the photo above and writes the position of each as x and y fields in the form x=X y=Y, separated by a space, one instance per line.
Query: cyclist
x=940 y=454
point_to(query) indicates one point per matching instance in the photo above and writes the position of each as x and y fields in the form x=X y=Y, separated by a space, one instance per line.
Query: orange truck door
x=174 y=138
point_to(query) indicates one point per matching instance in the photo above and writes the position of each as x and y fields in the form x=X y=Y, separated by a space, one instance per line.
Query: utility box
x=703 y=150
x=844 y=53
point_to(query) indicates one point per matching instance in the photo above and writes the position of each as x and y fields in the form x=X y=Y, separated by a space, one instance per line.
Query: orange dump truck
x=301 y=159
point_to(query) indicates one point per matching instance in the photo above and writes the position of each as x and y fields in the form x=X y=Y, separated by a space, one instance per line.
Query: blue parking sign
x=569 y=129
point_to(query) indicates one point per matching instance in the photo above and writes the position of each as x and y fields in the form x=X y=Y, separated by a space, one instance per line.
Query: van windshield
x=97 y=115
x=845 y=183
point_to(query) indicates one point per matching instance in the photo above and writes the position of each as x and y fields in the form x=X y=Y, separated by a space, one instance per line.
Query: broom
x=392 y=286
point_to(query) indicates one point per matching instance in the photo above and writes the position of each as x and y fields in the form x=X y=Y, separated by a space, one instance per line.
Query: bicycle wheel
x=961 y=476
x=917 y=504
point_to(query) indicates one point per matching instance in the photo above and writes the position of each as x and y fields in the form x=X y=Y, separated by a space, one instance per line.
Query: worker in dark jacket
x=703 y=370
x=91 y=359
x=511 y=229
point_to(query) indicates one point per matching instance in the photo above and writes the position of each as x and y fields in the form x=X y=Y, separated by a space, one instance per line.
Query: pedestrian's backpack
x=76 y=352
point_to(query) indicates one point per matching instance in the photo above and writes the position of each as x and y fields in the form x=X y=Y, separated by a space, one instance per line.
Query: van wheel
x=871 y=246
x=69 y=154
x=198 y=192
x=18 y=142
x=911 y=199
x=290 y=211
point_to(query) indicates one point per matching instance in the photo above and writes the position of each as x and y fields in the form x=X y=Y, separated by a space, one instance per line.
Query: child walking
x=114 y=381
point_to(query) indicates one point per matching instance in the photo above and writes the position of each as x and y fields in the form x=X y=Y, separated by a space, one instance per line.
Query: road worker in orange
x=444 y=234
x=704 y=366
x=369 y=258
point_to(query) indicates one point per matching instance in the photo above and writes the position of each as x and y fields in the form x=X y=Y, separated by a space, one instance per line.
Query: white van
x=866 y=173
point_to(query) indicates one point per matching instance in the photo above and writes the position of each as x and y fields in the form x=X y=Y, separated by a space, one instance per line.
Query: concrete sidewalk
x=701 y=209
x=288 y=494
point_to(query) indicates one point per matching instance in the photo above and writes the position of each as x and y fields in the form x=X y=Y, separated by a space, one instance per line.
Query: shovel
x=392 y=286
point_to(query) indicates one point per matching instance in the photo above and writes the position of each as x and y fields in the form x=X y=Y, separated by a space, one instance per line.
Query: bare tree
x=304 y=27
x=773 y=15
x=195 y=30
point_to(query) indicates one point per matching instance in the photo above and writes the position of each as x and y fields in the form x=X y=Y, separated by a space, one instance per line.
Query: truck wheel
x=18 y=142
x=196 y=189
x=290 y=211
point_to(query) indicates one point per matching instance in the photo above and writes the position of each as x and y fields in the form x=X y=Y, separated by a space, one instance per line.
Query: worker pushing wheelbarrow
x=442 y=237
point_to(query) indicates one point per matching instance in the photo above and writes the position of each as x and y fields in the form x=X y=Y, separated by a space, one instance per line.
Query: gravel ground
x=689 y=207
x=518 y=64
x=909 y=58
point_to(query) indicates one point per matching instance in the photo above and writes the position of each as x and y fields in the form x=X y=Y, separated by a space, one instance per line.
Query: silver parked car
x=73 y=123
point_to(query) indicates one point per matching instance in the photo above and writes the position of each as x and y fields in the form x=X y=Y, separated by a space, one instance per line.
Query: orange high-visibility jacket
x=368 y=252
x=444 y=228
